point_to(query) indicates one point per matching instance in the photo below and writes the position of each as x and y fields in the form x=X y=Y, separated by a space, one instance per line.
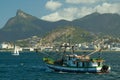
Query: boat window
x=99 y=64
x=69 y=58
x=77 y=64
x=83 y=64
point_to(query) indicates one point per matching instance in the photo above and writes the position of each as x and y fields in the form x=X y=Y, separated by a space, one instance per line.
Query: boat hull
x=74 y=69
x=15 y=54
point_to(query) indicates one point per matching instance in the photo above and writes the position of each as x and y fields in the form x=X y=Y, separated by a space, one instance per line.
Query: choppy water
x=29 y=66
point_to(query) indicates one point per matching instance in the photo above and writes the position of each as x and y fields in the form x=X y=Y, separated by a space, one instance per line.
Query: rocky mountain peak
x=21 y=13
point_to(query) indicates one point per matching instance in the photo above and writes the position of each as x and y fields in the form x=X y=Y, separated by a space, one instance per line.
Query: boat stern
x=105 y=69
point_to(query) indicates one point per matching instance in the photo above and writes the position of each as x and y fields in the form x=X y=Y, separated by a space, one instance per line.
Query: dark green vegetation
x=23 y=26
x=108 y=24
x=75 y=35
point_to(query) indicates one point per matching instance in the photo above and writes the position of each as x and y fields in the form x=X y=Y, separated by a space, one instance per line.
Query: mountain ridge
x=108 y=24
x=24 y=25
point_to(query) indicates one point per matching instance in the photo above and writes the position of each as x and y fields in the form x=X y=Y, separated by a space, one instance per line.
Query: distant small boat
x=16 y=51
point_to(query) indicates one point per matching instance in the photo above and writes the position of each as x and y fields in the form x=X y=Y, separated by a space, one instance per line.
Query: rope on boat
x=53 y=56
x=94 y=52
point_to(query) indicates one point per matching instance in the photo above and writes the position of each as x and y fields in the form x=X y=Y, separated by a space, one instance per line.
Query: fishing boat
x=71 y=62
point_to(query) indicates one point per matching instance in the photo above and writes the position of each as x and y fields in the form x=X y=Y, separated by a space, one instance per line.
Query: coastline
x=11 y=50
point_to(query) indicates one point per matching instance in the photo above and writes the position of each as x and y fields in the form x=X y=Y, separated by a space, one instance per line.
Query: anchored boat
x=78 y=63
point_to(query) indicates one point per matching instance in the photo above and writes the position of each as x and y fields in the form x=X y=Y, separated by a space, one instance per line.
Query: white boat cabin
x=81 y=61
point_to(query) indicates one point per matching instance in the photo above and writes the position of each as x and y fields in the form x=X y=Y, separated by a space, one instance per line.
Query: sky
x=55 y=10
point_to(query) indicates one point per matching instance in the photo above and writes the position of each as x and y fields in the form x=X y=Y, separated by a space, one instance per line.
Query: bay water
x=29 y=66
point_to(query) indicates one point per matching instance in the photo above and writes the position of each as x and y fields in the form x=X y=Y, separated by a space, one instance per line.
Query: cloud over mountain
x=81 y=1
x=78 y=11
x=108 y=8
x=53 y=5
x=65 y=14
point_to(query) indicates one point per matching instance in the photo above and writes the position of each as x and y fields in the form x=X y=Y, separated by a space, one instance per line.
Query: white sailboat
x=16 y=51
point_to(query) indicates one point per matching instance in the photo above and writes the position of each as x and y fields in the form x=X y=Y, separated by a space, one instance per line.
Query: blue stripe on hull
x=77 y=70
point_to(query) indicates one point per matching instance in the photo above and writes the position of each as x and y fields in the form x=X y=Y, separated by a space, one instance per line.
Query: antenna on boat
x=71 y=46
x=73 y=49
x=99 y=55
x=65 y=47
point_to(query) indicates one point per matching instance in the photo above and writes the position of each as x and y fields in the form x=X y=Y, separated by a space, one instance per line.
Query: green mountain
x=24 y=25
x=108 y=24
x=74 y=34
x=21 y=26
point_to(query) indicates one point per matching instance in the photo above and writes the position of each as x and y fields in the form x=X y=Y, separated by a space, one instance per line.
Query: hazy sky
x=54 y=10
